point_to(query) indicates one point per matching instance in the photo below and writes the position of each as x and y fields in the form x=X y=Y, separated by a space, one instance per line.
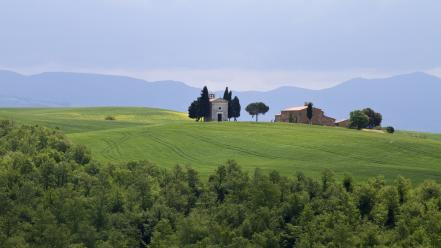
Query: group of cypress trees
x=233 y=104
x=200 y=108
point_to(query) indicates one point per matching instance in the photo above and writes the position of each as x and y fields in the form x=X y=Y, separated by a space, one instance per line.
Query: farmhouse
x=218 y=109
x=298 y=115
x=343 y=123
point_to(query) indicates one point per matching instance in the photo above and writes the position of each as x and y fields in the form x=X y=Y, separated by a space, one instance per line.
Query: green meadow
x=167 y=138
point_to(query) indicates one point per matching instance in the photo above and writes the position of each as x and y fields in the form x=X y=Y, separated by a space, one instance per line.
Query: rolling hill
x=408 y=102
x=167 y=138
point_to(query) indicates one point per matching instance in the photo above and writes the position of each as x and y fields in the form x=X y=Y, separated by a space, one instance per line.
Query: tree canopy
x=256 y=108
x=375 y=118
x=358 y=119
x=54 y=194
x=193 y=110
x=200 y=108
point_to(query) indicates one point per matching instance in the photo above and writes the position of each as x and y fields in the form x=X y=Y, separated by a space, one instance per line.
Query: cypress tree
x=235 y=106
x=226 y=94
x=193 y=110
x=204 y=104
x=309 y=112
x=230 y=105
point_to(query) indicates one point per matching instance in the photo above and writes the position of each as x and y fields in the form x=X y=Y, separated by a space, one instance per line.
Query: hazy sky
x=246 y=44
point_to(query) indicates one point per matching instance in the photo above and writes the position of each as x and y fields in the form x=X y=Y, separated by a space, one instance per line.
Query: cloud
x=254 y=44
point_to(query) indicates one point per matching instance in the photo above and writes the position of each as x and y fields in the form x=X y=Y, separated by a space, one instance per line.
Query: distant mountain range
x=409 y=102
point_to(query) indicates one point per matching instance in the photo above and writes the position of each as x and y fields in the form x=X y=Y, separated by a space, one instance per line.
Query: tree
x=230 y=105
x=374 y=117
x=348 y=183
x=228 y=96
x=204 y=104
x=81 y=154
x=200 y=108
x=49 y=197
x=256 y=108
x=309 y=112
x=377 y=119
x=252 y=109
x=358 y=119
x=235 y=107
x=193 y=110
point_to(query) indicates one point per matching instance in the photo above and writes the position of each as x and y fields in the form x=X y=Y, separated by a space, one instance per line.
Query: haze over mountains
x=408 y=102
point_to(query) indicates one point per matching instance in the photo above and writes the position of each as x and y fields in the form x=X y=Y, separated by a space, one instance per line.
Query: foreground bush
x=390 y=129
x=52 y=194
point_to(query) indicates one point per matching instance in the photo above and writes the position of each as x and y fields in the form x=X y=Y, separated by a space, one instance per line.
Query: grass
x=167 y=138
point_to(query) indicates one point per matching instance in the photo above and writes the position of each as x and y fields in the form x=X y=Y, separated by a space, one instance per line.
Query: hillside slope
x=169 y=138
x=408 y=102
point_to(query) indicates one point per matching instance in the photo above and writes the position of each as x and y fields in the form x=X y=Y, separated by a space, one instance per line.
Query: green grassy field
x=168 y=138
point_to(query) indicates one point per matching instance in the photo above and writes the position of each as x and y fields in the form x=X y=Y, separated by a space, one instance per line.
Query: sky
x=247 y=45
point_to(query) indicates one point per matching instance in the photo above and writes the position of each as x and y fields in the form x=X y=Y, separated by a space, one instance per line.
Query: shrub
x=390 y=129
x=110 y=118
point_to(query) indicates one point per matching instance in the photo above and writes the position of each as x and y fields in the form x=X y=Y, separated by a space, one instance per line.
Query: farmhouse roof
x=295 y=108
x=342 y=120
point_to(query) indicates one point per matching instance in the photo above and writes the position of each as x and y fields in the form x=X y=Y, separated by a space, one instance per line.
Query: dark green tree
x=230 y=105
x=378 y=118
x=358 y=119
x=256 y=108
x=348 y=183
x=309 y=112
x=227 y=94
x=81 y=154
x=375 y=118
x=193 y=110
x=236 y=108
x=204 y=104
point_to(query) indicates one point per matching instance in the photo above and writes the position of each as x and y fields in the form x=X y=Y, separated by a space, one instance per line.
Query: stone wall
x=219 y=106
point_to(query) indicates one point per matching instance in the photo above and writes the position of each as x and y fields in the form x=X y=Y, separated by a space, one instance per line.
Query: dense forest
x=54 y=194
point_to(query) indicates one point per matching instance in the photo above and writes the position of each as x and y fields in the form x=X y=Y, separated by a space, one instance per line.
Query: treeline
x=53 y=194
